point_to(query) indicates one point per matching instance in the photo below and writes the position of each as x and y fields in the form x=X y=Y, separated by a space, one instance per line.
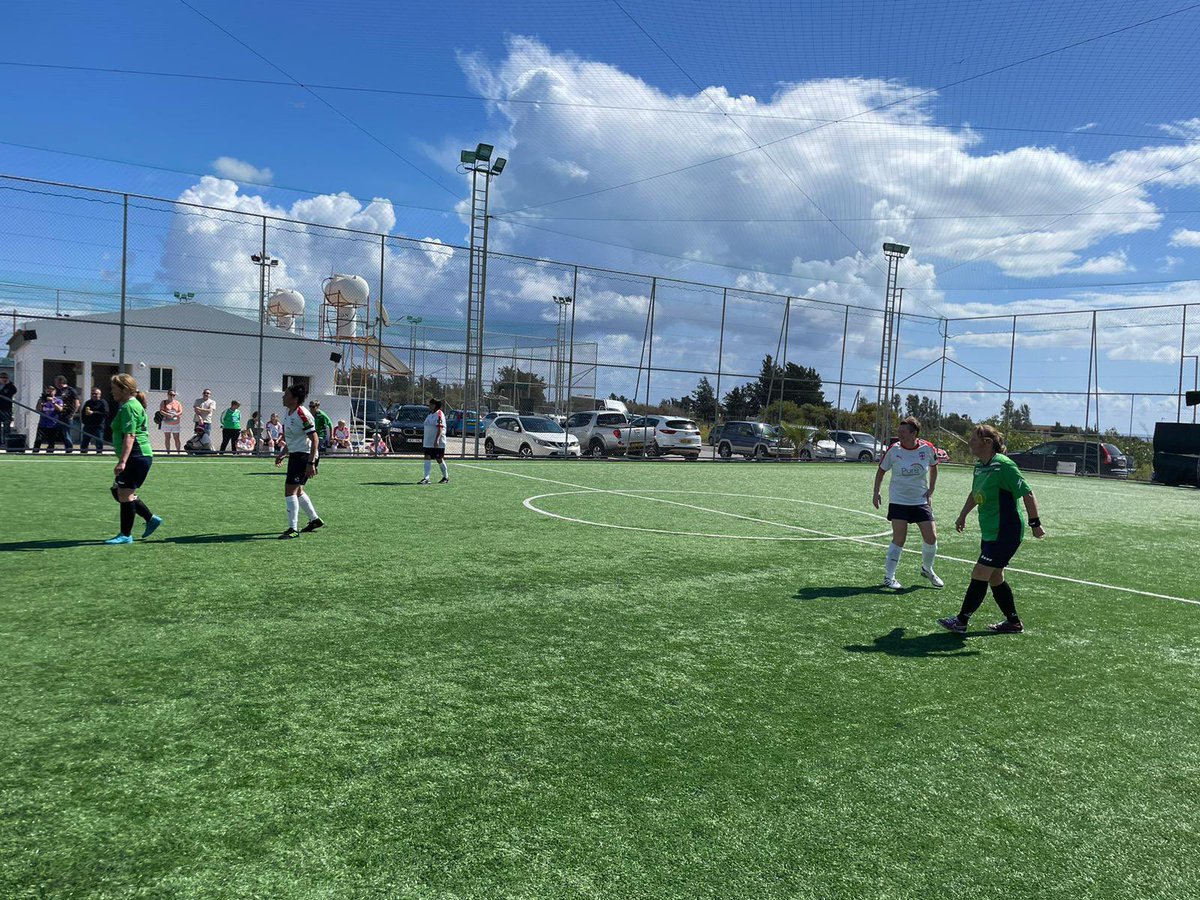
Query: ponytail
x=989 y=433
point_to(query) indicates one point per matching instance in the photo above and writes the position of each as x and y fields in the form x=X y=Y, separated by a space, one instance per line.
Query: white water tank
x=285 y=304
x=347 y=294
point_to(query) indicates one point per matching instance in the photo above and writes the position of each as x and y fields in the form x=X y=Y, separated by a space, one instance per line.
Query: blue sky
x=999 y=124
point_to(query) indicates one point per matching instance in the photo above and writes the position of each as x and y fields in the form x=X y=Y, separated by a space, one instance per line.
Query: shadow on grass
x=841 y=592
x=217 y=538
x=894 y=643
x=388 y=483
x=278 y=474
x=20 y=546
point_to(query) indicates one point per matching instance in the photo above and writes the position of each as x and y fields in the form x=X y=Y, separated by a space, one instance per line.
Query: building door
x=102 y=374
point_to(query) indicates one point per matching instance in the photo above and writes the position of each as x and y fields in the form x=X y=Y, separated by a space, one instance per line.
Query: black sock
x=127 y=515
x=1003 y=595
x=976 y=592
x=142 y=509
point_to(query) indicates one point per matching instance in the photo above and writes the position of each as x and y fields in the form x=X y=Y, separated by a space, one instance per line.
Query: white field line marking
x=825 y=536
x=870 y=543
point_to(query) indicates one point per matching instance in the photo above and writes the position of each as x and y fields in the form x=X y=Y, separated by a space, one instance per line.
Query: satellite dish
x=383 y=314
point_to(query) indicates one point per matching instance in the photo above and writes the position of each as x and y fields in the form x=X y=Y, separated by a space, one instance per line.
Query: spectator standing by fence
x=171 y=412
x=95 y=417
x=69 y=398
x=231 y=426
x=323 y=423
x=255 y=427
x=49 y=428
x=8 y=390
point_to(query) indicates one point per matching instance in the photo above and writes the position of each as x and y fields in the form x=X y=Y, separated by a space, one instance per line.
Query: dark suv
x=1089 y=457
x=754 y=440
x=408 y=426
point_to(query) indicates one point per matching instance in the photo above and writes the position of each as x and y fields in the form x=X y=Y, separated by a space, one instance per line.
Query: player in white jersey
x=300 y=446
x=435 y=442
x=913 y=464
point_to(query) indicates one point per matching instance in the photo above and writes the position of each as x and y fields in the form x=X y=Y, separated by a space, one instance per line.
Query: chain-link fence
x=240 y=302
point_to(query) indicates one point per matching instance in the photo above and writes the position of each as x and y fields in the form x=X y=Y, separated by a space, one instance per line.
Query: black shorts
x=297 y=471
x=438 y=453
x=133 y=476
x=903 y=513
x=997 y=554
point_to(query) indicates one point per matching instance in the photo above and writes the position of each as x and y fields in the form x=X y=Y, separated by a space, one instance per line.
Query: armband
x=1035 y=522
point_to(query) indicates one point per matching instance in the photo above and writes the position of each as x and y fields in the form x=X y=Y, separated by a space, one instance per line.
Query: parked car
x=663 y=436
x=371 y=413
x=825 y=449
x=527 y=437
x=1090 y=458
x=714 y=435
x=407 y=426
x=600 y=433
x=754 y=440
x=460 y=422
x=858 y=445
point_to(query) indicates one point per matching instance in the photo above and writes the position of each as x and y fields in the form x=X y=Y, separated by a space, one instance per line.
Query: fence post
x=720 y=354
x=787 y=326
x=942 y=383
x=1012 y=353
x=1182 y=350
x=650 y=346
x=124 y=278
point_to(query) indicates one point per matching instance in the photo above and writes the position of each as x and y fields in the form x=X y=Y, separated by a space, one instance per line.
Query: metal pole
x=1087 y=410
x=787 y=325
x=1096 y=364
x=1012 y=352
x=842 y=365
x=1182 y=350
x=571 y=346
x=896 y=345
x=124 y=279
x=262 y=317
x=1132 y=404
x=942 y=383
x=379 y=322
x=650 y=345
x=720 y=354
x=487 y=185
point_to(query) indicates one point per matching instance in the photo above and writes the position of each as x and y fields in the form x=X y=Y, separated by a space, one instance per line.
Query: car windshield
x=413 y=412
x=1113 y=449
x=610 y=419
x=682 y=424
x=538 y=425
x=862 y=438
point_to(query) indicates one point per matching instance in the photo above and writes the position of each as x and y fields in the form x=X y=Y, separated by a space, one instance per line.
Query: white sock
x=928 y=555
x=306 y=504
x=428 y=468
x=293 y=510
x=893 y=560
x=442 y=466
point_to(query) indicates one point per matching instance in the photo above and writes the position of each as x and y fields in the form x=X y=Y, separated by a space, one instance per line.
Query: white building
x=185 y=347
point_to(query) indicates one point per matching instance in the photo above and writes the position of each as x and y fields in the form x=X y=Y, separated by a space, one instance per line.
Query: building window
x=162 y=379
x=297 y=379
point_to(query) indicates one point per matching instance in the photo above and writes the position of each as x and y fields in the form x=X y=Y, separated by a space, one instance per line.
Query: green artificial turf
x=445 y=694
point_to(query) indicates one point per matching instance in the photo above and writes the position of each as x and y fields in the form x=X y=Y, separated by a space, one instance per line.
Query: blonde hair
x=125 y=382
x=989 y=433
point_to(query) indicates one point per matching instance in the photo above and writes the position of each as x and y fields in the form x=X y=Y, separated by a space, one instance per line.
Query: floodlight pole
x=264 y=263
x=894 y=253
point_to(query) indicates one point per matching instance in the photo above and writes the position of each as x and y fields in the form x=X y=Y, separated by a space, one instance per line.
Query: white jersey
x=207 y=408
x=297 y=426
x=435 y=430
x=910 y=472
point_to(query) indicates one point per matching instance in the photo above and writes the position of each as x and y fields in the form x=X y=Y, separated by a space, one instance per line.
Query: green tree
x=740 y=403
x=525 y=390
x=704 y=401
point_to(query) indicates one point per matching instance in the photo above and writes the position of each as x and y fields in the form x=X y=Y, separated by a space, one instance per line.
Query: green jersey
x=323 y=422
x=997 y=487
x=232 y=419
x=131 y=419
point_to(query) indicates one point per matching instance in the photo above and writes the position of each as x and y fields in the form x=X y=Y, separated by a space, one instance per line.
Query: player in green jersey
x=131 y=441
x=995 y=490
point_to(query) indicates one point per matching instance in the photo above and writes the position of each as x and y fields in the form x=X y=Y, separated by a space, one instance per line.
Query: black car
x=371 y=413
x=407 y=426
x=1089 y=457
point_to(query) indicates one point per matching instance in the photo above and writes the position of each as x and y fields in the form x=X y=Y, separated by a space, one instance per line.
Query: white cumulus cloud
x=240 y=170
x=1184 y=237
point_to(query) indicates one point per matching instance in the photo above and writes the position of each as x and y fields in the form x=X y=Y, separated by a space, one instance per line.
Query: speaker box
x=16 y=443
x=1192 y=398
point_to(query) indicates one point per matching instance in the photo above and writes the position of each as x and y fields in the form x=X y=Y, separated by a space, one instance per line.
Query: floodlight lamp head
x=483 y=152
x=895 y=249
x=499 y=165
x=467 y=157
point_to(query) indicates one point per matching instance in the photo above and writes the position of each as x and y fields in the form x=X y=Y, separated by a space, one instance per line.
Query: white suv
x=528 y=436
x=664 y=435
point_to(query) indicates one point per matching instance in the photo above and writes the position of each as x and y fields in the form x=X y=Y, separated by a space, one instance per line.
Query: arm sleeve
x=886 y=462
x=1013 y=481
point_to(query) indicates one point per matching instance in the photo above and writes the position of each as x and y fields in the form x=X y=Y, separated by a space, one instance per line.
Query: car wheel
x=654 y=449
x=526 y=452
x=865 y=456
x=805 y=453
x=596 y=450
x=691 y=458
x=724 y=450
x=760 y=453
x=489 y=447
